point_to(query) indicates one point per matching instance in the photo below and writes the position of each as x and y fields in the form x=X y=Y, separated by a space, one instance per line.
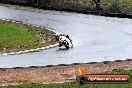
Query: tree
x=98 y=7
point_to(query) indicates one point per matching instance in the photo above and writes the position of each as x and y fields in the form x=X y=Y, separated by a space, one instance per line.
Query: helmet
x=57 y=34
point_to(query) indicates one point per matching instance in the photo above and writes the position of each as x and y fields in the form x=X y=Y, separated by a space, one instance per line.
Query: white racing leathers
x=64 y=41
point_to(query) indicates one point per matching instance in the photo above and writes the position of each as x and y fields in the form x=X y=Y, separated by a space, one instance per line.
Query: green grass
x=74 y=85
x=15 y=37
x=126 y=3
x=11 y=36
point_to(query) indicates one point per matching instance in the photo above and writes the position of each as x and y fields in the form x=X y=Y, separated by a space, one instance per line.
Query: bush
x=115 y=7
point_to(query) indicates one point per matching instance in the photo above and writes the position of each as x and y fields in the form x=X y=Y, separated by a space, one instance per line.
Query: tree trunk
x=97 y=3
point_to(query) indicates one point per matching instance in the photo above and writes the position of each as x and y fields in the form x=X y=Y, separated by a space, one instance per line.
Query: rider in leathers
x=61 y=34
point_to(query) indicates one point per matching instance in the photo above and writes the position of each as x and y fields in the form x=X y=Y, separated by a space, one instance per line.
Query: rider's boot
x=60 y=44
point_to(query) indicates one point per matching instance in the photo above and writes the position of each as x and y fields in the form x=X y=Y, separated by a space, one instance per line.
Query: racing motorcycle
x=64 y=41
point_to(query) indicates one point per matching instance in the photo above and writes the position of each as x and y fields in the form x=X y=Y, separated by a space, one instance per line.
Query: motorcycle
x=64 y=41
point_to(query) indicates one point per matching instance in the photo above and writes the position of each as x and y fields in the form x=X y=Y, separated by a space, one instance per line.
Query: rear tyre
x=67 y=47
x=66 y=44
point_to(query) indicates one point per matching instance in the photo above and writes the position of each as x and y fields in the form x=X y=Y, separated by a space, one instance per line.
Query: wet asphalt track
x=95 y=38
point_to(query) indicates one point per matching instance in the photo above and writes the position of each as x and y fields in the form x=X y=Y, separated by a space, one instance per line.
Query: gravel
x=56 y=74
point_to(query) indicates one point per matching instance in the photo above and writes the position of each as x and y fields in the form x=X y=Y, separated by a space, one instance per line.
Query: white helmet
x=57 y=34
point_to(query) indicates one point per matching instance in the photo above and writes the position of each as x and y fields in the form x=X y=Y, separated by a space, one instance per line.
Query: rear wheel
x=67 y=47
x=66 y=44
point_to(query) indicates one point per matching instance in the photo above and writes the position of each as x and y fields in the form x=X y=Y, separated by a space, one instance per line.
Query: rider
x=57 y=35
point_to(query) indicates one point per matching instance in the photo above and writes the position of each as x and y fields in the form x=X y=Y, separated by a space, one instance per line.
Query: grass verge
x=15 y=37
x=74 y=85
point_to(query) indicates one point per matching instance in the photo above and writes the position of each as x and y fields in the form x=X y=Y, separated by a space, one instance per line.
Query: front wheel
x=67 y=46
